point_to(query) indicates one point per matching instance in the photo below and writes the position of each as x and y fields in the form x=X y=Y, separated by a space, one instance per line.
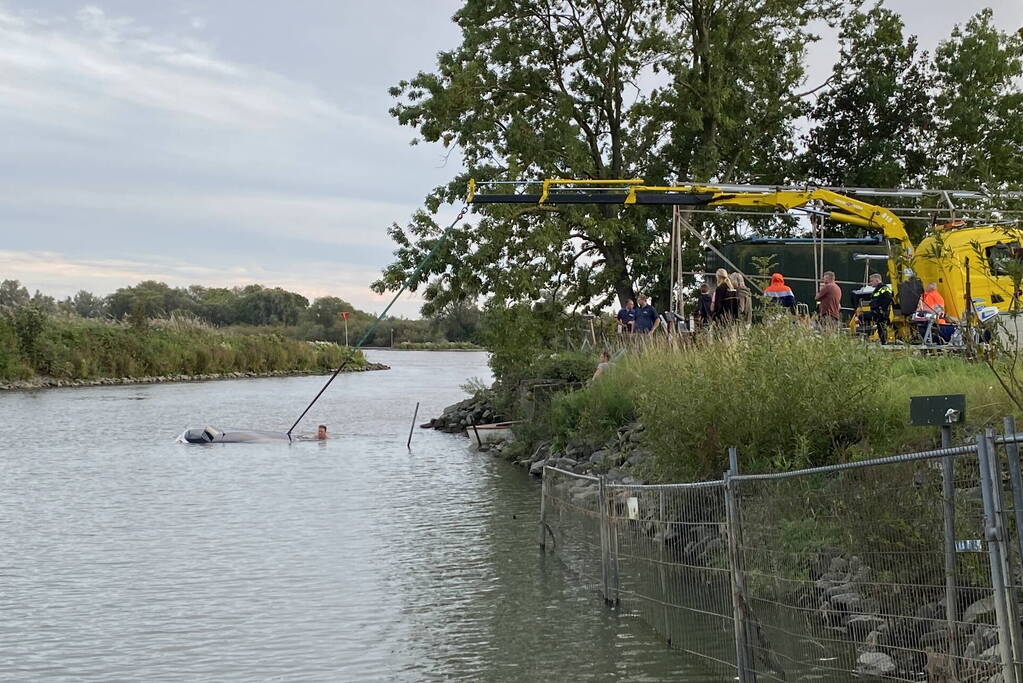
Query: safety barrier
x=904 y=568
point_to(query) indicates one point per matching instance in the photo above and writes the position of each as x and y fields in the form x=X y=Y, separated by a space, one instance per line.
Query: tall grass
x=74 y=348
x=784 y=397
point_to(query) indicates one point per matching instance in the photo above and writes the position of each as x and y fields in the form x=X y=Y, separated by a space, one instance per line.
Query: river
x=125 y=556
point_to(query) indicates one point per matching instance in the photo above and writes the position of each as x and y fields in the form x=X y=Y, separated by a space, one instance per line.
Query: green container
x=793 y=258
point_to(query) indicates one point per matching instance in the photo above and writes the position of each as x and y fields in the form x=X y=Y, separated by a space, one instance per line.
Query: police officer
x=880 y=306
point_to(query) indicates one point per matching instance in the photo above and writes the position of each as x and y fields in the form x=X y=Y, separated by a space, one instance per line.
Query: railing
x=904 y=568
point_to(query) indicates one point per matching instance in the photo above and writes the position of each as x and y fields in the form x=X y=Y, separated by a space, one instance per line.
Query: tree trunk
x=614 y=263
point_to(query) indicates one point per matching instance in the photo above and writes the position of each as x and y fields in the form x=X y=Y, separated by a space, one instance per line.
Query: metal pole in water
x=413 y=427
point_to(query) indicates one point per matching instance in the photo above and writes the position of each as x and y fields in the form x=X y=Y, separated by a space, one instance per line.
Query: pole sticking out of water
x=413 y=278
x=413 y=427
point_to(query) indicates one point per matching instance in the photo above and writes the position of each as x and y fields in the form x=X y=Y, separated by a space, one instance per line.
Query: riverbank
x=54 y=382
x=38 y=350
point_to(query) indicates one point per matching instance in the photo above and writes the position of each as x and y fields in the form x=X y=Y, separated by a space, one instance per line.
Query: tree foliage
x=978 y=107
x=597 y=89
x=872 y=125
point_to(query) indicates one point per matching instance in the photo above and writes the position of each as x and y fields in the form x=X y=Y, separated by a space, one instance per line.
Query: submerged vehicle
x=209 y=435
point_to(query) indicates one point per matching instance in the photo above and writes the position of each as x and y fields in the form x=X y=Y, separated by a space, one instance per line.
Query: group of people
x=730 y=301
x=641 y=319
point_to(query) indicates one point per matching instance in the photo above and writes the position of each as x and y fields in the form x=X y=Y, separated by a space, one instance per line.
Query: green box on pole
x=946 y=409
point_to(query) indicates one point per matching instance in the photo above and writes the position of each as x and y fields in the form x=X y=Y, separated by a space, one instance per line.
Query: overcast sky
x=233 y=141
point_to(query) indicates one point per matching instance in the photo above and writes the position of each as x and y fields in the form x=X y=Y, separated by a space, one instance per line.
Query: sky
x=235 y=141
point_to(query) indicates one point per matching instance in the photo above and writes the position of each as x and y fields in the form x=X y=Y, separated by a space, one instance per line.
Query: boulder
x=862 y=625
x=978 y=609
x=536 y=469
x=875 y=664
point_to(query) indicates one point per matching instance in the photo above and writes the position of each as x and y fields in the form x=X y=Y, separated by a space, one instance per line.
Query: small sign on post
x=344 y=316
x=947 y=409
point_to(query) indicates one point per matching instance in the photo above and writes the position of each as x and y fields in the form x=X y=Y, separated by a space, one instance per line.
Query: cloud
x=134 y=152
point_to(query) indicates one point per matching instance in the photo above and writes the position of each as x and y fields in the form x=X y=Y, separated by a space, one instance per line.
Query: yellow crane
x=942 y=257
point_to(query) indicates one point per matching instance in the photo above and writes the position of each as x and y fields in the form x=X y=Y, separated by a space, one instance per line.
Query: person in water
x=321 y=433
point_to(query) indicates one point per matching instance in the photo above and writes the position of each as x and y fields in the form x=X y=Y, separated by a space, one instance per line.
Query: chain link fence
x=905 y=568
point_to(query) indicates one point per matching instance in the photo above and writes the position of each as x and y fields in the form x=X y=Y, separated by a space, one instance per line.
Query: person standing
x=704 y=307
x=726 y=300
x=626 y=317
x=829 y=300
x=780 y=293
x=745 y=298
x=880 y=306
x=647 y=319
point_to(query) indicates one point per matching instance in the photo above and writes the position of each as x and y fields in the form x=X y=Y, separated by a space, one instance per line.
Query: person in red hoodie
x=780 y=293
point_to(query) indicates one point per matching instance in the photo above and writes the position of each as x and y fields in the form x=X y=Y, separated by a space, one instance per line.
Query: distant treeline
x=247 y=309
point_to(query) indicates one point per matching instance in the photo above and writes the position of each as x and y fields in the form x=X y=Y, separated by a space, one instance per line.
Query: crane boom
x=634 y=191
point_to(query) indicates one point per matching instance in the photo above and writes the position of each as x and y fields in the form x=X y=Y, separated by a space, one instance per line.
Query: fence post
x=998 y=497
x=604 y=545
x=743 y=653
x=993 y=535
x=543 y=509
x=1012 y=451
x=662 y=518
x=948 y=488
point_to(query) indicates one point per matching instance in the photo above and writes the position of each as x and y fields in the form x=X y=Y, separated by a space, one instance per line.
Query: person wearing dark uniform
x=880 y=306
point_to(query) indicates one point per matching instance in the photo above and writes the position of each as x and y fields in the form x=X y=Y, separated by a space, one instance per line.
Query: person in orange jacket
x=780 y=293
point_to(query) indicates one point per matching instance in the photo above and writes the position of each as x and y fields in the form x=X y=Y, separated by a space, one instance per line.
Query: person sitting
x=780 y=293
x=880 y=306
x=321 y=433
x=931 y=308
x=647 y=319
x=726 y=300
x=603 y=366
x=626 y=317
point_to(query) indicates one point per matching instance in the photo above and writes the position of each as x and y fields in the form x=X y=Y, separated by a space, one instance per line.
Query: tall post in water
x=543 y=509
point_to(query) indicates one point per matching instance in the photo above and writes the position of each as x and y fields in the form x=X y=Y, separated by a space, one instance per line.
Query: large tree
x=979 y=107
x=871 y=126
x=597 y=89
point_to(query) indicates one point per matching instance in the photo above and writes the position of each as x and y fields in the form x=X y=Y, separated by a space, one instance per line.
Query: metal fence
x=905 y=568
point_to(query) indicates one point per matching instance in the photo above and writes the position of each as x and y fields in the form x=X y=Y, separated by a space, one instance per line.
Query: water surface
x=124 y=556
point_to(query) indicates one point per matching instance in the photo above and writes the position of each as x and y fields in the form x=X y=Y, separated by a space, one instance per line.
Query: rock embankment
x=55 y=382
x=457 y=418
x=622 y=460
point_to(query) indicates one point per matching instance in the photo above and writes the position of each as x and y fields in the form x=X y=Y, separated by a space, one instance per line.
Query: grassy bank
x=32 y=345
x=786 y=398
x=437 y=346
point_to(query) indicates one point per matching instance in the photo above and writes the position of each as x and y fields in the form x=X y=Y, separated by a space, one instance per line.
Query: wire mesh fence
x=905 y=568
x=670 y=549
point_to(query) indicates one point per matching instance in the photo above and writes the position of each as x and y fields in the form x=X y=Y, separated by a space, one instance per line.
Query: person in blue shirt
x=647 y=319
x=626 y=317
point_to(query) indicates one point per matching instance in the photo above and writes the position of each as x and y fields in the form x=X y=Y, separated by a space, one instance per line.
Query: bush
x=784 y=397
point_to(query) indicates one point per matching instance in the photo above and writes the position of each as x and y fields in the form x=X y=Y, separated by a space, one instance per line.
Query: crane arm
x=633 y=191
